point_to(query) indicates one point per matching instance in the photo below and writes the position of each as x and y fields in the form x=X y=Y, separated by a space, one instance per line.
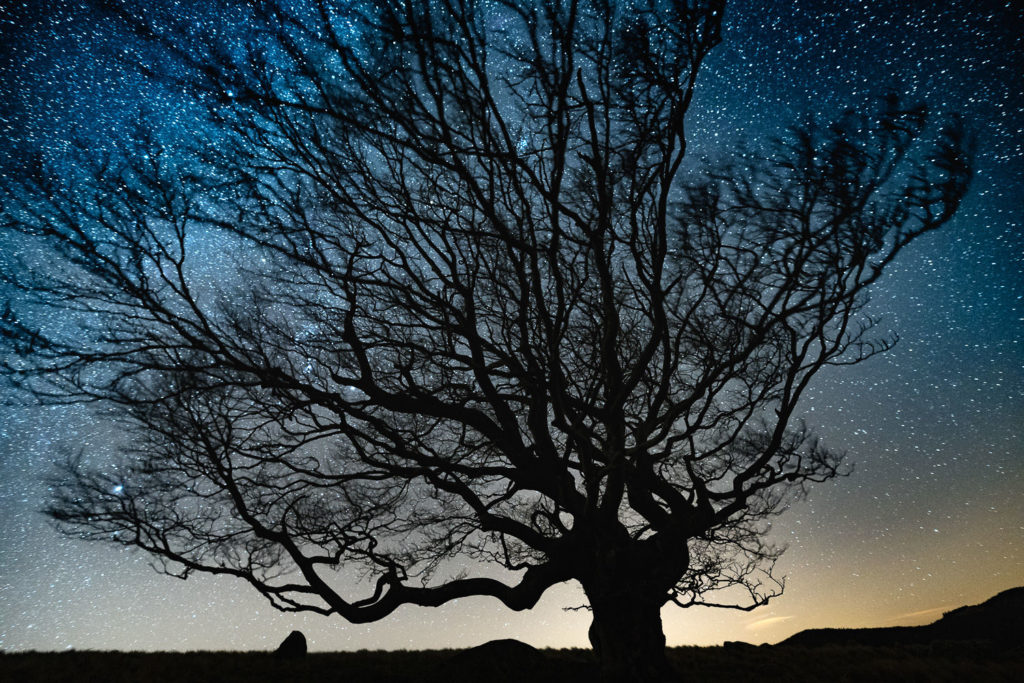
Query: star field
x=931 y=518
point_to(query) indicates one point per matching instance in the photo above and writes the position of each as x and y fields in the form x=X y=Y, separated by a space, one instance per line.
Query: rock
x=292 y=646
x=496 y=661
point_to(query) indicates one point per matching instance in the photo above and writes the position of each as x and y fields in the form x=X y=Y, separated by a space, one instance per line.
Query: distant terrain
x=979 y=643
x=996 y=623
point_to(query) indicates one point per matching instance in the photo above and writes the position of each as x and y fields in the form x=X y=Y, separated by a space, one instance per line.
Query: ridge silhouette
x=998 y=622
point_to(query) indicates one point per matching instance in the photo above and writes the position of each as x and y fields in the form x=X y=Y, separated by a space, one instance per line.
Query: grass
x=834 y=664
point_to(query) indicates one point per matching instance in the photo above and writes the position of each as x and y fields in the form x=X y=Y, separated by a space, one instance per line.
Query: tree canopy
x=437 y=294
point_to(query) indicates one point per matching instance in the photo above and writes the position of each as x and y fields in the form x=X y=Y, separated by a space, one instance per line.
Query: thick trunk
x=627 y=581
x=627 y=637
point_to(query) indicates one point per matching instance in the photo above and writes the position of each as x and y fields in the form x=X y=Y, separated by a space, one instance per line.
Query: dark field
x=955 y=663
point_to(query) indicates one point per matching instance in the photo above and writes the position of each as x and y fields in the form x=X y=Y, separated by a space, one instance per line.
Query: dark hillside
x=999 y=620
x=998 y=623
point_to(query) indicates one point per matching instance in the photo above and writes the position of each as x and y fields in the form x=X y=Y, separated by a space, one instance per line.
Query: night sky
x=933 y=516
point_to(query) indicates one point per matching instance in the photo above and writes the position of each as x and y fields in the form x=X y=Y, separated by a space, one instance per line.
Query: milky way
x=933 y=516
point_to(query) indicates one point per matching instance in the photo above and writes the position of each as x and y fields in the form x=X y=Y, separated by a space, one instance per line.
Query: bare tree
x=433 y=300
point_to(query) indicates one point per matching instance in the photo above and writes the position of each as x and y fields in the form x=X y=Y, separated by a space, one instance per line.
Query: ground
x=734 y=662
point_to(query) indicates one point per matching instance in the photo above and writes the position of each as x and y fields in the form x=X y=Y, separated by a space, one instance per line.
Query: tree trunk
x=627 y=637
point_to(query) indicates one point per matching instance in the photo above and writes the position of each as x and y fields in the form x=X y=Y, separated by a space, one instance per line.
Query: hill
x=998 y=622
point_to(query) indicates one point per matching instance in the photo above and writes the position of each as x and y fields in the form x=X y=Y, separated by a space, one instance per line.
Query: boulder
x=292 y=646
x=496 y=661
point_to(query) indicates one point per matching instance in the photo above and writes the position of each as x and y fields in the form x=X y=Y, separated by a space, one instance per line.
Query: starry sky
x=933 y=516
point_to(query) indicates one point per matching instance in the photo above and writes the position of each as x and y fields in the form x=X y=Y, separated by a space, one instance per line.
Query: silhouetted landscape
x=444 y=284
x=996 y=624
x=973 y=643
x=374 y=307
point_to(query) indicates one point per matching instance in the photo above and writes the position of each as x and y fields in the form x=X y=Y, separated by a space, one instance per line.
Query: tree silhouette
x=433 y=300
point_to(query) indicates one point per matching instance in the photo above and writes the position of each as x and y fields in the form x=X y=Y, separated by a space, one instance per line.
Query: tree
x=459 y=305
